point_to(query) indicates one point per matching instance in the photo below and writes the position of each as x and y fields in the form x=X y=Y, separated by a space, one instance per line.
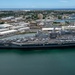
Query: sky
x=37 y=3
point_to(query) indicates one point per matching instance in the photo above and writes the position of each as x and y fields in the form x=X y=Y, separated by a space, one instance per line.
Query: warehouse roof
x=47 y=28
x=50 y=29
x=4 y=25
x=24 y=28
x=68 y=27
x=7 y=32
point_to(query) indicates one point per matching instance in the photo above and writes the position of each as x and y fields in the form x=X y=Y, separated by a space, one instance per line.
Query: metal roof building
x=5 y=25
x=8 y=32
x=50 y=29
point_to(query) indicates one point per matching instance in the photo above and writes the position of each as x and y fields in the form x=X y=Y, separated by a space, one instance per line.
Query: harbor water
x=37 y=62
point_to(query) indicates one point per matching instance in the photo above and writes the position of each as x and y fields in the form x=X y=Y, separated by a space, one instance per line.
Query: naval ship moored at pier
x=51 y=40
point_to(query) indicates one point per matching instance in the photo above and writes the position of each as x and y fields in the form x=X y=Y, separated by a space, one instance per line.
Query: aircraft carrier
x=40 y=40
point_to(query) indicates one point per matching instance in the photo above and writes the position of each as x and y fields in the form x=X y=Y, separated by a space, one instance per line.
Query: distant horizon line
x=37 y=8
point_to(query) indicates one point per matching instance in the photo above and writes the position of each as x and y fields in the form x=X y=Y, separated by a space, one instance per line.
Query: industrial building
x=4 y=29
x=7 y=18
x=51 y=29
x=5 y=26
x=68 y=27
x=24 y=29
x=7 y=32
